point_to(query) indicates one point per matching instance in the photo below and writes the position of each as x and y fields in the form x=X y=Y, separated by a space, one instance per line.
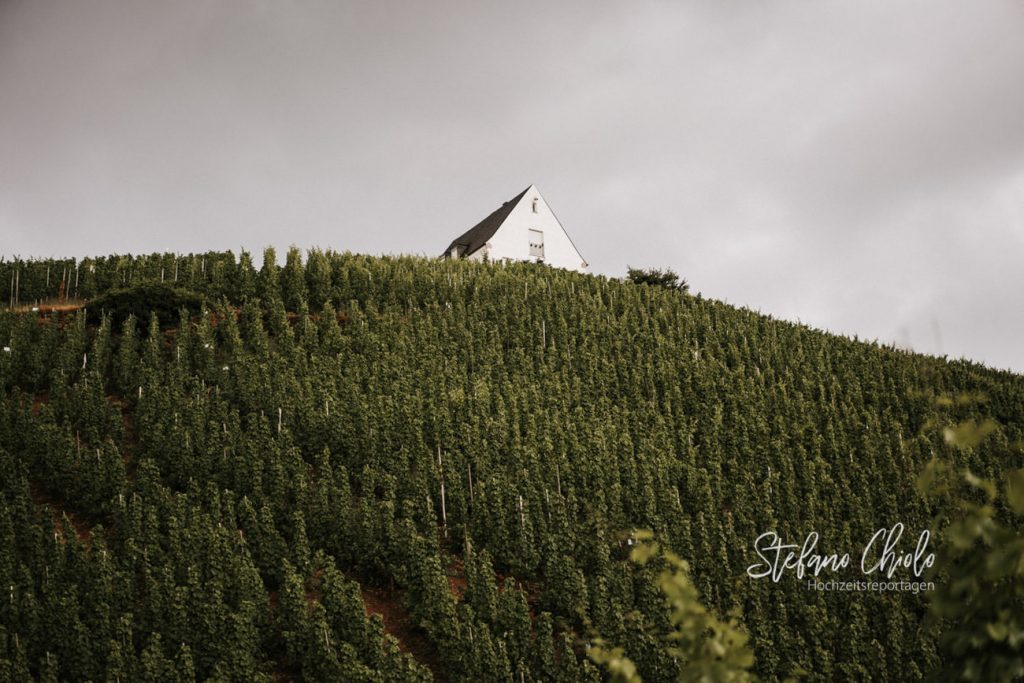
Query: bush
x=654 y=277
x=163 y=299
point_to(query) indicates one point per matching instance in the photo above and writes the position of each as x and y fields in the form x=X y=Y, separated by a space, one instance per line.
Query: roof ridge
x=477 y=236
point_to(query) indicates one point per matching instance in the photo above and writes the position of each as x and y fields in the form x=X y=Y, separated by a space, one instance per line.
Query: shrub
x=157 y=297
x=654 y=277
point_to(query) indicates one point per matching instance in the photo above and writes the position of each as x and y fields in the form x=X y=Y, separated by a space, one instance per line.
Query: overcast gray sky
x=858 y=166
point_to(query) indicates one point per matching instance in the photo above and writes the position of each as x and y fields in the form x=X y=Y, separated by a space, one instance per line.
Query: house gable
x=522 y=229
x=473 y=239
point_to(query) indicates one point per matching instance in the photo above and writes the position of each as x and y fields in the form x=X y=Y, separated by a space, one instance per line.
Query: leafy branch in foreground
x=979 y=601
x=709 y=649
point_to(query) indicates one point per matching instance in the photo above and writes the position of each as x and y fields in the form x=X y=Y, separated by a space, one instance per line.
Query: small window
x=535 y=200
x=536 y=243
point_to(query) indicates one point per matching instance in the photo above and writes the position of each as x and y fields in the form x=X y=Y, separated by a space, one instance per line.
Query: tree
x=293 y=279
x=655 y=277
x=268 y=284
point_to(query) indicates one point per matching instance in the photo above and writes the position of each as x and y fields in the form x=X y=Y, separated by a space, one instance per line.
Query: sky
x=855 y=166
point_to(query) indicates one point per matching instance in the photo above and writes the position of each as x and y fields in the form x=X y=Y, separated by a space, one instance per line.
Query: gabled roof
x=477 y=236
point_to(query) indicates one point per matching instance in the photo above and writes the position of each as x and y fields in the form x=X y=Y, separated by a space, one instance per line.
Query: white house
x=522 y=229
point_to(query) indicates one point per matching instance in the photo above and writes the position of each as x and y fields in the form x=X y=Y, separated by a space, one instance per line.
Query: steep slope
x=469 y=441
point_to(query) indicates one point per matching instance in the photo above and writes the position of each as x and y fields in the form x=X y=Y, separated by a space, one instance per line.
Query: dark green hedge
x=142 y=300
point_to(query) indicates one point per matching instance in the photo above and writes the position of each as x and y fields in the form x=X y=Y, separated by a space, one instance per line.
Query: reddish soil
x=83 y=530
x=60 y=306
x=38 y=401
x=47 y=311
x=457 y=577
x=314 y=594
x=398 y=623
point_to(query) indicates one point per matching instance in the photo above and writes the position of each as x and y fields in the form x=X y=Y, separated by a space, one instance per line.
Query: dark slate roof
x=477 y=236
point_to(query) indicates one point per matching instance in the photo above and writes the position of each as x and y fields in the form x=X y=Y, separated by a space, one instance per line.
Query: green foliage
x=655 y=277
x=455 y=443
x=708 y=649
x=141 y=301
x=978 y=603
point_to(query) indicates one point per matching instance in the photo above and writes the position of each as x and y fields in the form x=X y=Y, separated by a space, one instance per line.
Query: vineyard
x=395 y=469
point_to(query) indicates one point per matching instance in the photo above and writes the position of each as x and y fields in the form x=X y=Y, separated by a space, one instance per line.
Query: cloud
x=854 y=165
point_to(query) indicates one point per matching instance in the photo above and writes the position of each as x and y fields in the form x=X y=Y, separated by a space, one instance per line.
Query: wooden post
x=444 y=513
x=469 y=470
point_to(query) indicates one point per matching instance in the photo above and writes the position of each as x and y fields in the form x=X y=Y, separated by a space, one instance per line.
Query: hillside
x=458 y=448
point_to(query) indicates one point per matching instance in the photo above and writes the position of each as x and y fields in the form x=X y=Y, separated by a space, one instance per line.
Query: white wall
x=511 y=241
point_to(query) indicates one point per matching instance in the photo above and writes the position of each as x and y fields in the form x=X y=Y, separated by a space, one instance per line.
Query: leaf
x=962 y=534
x=642 y=553
x=968 y=434
x=675 y=561
x=996 y=630
x=932 y=474
x=1015 y=491
x=977 y=482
